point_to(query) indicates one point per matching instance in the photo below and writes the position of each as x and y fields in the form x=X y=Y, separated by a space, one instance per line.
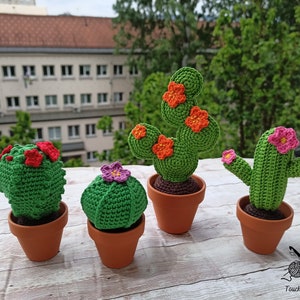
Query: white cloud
x=78 y=7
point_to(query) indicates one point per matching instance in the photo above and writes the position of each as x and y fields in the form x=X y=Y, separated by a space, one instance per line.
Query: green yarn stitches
x=114 y=205
x=176 y=158
x=274 y=163
x=32 y=180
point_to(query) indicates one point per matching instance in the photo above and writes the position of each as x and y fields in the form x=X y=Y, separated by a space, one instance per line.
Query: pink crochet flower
x=284 y=139
x=114 y=172
x=228 y=156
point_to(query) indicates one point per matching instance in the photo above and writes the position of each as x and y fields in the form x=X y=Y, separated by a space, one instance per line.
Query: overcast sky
x=97 y=8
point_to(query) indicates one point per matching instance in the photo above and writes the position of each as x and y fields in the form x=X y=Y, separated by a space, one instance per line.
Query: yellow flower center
x=283 y=140
x=115 y=173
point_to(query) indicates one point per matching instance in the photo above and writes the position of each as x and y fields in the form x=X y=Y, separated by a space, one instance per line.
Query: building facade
x=63 y=71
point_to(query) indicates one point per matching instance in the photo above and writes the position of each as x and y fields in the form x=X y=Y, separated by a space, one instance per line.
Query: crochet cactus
x=114 y=200
x=274 y=163
x=32 y=179
x=176 y=158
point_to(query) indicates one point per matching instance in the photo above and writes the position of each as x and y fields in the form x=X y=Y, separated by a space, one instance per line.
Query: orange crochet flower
x=198 y=119
x=139 y=131
x=164 y=147
x=175 y=94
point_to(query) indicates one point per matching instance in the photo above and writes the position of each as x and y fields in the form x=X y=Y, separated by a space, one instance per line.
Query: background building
x=63 y=71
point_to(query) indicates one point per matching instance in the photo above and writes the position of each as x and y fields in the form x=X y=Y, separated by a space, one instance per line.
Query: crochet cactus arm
x=294 y=168
x=237 y=165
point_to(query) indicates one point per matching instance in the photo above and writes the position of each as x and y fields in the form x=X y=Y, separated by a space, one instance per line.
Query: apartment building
x=63 y=71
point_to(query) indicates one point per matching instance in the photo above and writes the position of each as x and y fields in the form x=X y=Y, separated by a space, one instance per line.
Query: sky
x=95 y=8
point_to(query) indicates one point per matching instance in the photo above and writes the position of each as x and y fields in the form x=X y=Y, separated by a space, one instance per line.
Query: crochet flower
x=6 y=150
x=139 y=131
x=164 y=147
x=49 y=149
x=228 y=156
x=198 y=119
x=114 y=172
x=284 y=139
x=33 y=158
x=175 y=94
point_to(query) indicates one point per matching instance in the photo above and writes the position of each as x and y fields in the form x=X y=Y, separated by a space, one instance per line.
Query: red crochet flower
x=6 y=150
x=139 y=131
x=198 y=119
x=175 y=94
x=33 y=158
x=164 y=147
x=49 y=149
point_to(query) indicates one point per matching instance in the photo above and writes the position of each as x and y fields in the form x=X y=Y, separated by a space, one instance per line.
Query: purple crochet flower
x=284 y=139
x=114 y=172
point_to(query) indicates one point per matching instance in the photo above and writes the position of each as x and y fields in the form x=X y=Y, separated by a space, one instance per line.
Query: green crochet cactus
x=32 y=179
x=176 y=158
x=274 y=163
x=114 y=200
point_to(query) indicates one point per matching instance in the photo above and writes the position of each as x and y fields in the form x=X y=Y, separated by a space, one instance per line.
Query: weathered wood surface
x=208 y=262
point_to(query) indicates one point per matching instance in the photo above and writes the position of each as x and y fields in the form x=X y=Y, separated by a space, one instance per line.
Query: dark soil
x=32 y=222
x=263 y=214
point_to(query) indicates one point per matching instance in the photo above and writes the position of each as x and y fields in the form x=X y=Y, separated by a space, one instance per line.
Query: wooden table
x=208 y=262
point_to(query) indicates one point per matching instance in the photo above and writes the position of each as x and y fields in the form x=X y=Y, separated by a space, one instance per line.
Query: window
x=85 y=70
x=48 y=71
x=118 y=97
x=85 y=99
x=133 y=70
x=66 y=70
x=102 y=98
x=91 y=156
x=106 y=154
x=118 y=70
x=9 y=71
x=122 y=125
x=39 y=134
x=107 y=131
x=51 y=100
x=90 y=129
x=101 y=70
x=73 y=131
x=13 y=102
x=29 y=71
x=69 y=100
x=32 y=101
x=54 y=133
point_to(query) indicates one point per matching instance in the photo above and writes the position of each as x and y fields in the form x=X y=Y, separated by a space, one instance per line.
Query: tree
x=21 y=133
x=254 y=77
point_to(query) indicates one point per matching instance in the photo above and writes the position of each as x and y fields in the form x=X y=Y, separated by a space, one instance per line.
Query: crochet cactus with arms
x=32 y=179
x=176 y=158
x=274 y=163
x=114 y=200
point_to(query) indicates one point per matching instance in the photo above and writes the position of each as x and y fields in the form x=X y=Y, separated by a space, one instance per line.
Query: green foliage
x=74 y=163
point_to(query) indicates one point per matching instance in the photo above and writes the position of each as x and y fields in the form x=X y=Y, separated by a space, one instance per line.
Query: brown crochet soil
x=176 y=188
x=32 y=222
x=263 y=214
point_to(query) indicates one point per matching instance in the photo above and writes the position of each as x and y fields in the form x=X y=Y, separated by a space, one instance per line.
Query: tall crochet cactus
x=176 y=158
x=274 y=163
x=114 y=200
x=32 y=179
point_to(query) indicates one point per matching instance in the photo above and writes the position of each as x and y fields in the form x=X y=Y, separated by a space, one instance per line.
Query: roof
x=56 y=32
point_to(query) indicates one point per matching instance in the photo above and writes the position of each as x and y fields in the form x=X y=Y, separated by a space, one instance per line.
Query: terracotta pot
x=40 y=242
x=116 y=250
x=262 y=236
x=175 y=213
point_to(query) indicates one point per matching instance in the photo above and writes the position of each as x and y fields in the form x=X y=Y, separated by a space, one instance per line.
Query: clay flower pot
x=116 y=249
x=175 y=213
x=40 y=242
x=262 y=236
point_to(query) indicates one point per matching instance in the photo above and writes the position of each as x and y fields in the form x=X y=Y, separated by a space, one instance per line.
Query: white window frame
x=86 y=99
x=101 y=70
x=73 y=131
x=133 y=71
x=48 y=70
x=67 y=71
x=14 y=102
x=122 y=125
x=90 y=130
x=69 y=99
x=102 y=98
x=85 y=70
x=54 y=133
x=91 y=156
x=118 y=97
x=38 y=134
x=32 y=102
x=51 y=100
x=9 y=72
x=118 y=70
x=29 y=71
